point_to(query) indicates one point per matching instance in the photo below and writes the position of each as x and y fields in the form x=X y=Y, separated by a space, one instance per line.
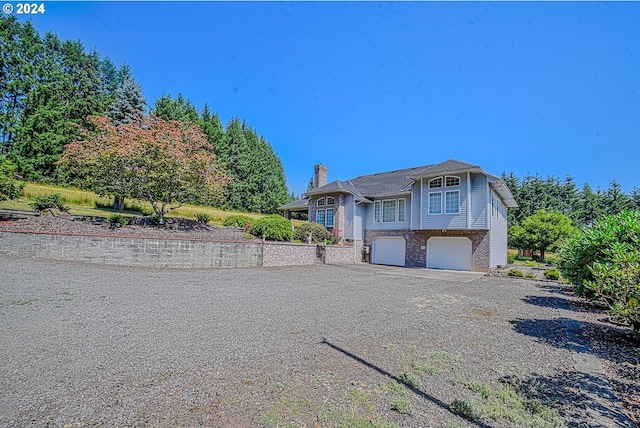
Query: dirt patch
x=138 y=227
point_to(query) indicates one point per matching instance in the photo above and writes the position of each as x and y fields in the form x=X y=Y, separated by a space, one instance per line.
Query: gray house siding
x=353 y=223
x=403 y=225
x=498 y=234
x=479 y=202
x=445 y=221
x=416 y=190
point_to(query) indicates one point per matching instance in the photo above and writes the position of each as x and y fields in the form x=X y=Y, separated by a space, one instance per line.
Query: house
x=449 y=215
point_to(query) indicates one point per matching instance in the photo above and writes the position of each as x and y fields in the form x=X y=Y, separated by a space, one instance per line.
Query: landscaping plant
x=603 y=262
x=46 y=202
x=273 y=228
x=237 y=221
x=318 y=232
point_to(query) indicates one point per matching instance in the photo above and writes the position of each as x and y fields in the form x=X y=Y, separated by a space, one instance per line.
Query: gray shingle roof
x=297 y=205
x=396 y=182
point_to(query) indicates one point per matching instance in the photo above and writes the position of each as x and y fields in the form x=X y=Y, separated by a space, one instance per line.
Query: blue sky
x=363 y=87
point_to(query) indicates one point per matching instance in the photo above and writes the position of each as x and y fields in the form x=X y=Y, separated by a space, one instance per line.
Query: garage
x=449 y=253
x=388 y=250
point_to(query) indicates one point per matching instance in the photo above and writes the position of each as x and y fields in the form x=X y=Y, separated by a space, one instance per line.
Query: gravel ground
x=314 y=346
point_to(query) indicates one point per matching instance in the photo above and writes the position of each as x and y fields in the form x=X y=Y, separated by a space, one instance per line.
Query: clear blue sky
x=548 y=88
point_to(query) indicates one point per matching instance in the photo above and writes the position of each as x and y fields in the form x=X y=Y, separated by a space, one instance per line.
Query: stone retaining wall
x=340 y=255
x=167 y=253
x=284 y=254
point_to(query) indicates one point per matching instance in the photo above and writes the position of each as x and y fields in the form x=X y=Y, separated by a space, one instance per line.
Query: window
x=377 y=217
x=494 y=206
x=435 y=203
x=436 y=183
x=389 y=211
x=330 y=200
x=451 y=181
x=452 y=202
x=320 y=216
x=321 y=202
x=329 y=219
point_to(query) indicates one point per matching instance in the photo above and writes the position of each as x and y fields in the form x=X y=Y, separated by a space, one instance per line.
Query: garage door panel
x=449 y=253
x=388 y=251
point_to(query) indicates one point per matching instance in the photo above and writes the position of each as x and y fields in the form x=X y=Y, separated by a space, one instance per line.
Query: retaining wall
x=340 y=255
x=168 y=253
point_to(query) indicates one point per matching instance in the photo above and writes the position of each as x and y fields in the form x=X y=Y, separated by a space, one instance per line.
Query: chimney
x=319 y=175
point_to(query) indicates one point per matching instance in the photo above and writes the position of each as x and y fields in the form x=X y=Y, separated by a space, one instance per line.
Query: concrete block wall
x=109 y=250
x=168 y=253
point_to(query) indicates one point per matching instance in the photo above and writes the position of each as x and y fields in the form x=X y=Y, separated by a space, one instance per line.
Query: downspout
x=353 y=228
x=421 y=196
x=468 y=200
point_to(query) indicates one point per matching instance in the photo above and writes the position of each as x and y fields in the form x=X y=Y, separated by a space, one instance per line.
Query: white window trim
x=333 y=200
x=324 y=216
x=445 y=202
x=377 y=219
x=404 y=214
x=321 y=202
x=395 y=211
x=434 y=179
x=452 y=185
x=429 y=203
x=333 y=217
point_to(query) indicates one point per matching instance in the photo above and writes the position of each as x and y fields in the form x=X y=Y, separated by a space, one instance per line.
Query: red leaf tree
x=164 y=163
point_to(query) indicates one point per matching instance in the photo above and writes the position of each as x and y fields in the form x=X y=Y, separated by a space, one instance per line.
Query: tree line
x=582 y=205
x=50 y=88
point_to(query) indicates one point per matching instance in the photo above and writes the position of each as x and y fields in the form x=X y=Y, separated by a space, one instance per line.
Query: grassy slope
x=82 y=202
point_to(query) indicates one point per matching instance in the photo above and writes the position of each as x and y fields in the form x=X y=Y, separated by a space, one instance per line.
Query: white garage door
x=388 y=250
x=449 y=253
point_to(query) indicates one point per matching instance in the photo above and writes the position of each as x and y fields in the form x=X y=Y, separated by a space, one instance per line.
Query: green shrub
x=553 y=259
x=318 y=232
x=117 y=219
x=237 y=221
x=552 y=274
x=10 y=188
x=273 y=228
x=511 y=258
x=515 y=272
x=603 y=262
x=203 y=218
x=530 y=275
x=530 y=263
x=45 y=202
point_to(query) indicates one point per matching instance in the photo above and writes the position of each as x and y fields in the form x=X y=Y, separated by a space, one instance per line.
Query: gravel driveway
x=313 y=346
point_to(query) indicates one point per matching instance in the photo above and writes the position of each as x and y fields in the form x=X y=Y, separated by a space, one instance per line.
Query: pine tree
x=615 y=199
x=129 y=105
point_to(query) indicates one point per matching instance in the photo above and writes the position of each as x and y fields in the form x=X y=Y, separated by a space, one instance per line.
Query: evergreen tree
x=129 y=105
x=635 y=198
x=67 y=89
x=179 y=109
x=615 y=199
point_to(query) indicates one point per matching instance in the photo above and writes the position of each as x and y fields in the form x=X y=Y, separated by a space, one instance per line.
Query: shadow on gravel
x=546 y=301
x=577 y=396
x=383 y=372
x=551 y=332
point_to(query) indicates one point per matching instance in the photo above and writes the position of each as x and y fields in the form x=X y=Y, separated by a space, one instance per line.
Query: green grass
x=504 y=402
x=85 y=203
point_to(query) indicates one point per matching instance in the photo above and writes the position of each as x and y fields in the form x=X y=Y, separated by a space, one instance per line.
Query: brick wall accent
x=416 y=239
x=285 y=254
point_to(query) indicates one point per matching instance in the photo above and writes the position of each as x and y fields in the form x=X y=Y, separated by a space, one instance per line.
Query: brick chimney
x=319 y=175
